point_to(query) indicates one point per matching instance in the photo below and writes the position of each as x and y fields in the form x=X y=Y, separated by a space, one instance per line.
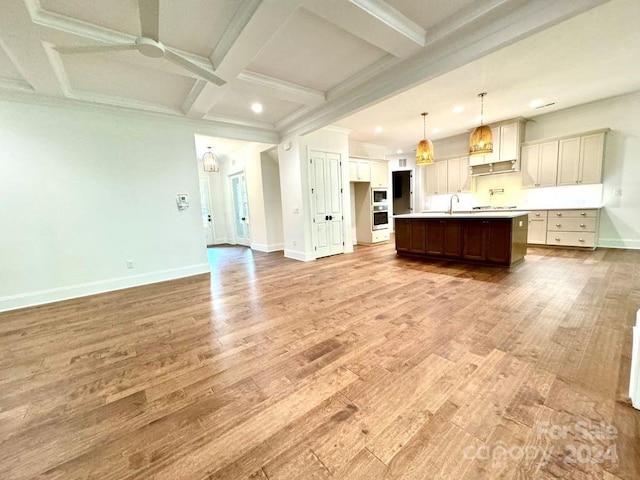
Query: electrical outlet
x=293 y=242
x=617 y=192
x=130 y=264
x=296 y=211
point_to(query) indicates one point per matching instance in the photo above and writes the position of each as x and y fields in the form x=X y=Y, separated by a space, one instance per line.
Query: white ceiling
x=586 y=58
x=310 y=62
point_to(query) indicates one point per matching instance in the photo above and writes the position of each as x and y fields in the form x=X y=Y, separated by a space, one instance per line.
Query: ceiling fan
x=148 y=44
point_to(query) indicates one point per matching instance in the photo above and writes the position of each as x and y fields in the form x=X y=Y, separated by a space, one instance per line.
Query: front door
x=240 y=209
x=205 y=211
x=326 y=199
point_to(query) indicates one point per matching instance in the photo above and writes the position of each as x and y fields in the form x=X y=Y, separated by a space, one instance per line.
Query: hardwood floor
x=359 y=366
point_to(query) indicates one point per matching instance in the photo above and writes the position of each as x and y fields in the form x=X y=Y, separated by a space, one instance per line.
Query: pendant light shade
x=424 y=152
x=481 y=142
x=210 y=161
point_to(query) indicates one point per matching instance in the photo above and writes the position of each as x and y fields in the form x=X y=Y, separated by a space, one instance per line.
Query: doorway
x=205 y=212
x=401 y=192
x=240 y=209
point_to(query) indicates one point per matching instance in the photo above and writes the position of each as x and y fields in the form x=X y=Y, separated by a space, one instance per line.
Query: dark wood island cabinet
x=493 y=238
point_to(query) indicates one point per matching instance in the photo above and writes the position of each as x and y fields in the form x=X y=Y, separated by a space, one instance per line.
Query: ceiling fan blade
x=97 y=48
x=192 y=67
x=149 y=18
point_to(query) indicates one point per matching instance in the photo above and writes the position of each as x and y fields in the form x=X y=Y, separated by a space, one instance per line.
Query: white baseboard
x=262 y=247
x=298 y=255
x=619 y=243
x=30 y=299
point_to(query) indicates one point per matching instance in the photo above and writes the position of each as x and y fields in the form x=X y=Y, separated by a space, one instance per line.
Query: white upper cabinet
x=509 y=142
x=458 y=179
x=539 y=164
x=430 y=179
x=436 y=179
x=580 y=160
x=359 y=171
x=441 y=178
x=379 y=174
x=591 y=158
x=453 y=175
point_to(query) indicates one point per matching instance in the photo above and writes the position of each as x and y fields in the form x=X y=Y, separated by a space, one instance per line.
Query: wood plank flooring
x=360 y=366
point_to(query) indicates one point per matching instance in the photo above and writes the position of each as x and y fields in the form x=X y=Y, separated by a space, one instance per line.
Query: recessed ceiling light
x=478 y=119
x=256 y=107
x=378 y=129
x=435 y=130
x=399 y=151
x=535 y=103
x=458 y=109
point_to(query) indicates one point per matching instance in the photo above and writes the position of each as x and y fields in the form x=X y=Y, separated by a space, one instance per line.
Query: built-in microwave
x=378 y=196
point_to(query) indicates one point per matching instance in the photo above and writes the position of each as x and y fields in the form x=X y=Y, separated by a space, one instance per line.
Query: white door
x=569 y=161
x=240 y=209
x=205 y=211
x=529 y=165
x=548 y=164
x=453 y=175
x=591 y=151
x=326 y=200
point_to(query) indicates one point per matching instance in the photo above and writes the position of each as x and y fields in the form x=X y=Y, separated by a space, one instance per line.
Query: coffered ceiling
x=308 y=62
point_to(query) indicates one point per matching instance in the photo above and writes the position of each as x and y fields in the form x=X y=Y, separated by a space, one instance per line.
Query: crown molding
x=219 y=126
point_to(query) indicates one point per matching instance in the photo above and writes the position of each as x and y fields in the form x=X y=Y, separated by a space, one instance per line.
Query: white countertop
x=477 y=214
x=520 y=209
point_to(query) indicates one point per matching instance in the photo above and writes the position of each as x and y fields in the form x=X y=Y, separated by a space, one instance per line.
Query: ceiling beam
x=362 y=24
x=273 y=87
x=507 y=22
x=240 y=20
x=268 y=18
x=388 y=15
x=26 y=50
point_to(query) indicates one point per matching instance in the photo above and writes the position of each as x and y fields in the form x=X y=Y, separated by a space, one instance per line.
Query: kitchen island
x=493 y=238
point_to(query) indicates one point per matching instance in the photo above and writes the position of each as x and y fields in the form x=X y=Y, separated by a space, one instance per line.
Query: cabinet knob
x=581 y=240
x=537 y=214
x=582 y=225
x=557 y=239
x=577 y=181
x=558 y=224
x=558 y=214
x=584 y=214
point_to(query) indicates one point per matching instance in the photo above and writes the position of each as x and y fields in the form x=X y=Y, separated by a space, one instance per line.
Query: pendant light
x=481 y=142
x=424 y=152
x=210 y=161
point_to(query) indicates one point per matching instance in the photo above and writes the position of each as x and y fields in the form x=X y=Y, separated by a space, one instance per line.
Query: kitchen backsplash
x=514 y=194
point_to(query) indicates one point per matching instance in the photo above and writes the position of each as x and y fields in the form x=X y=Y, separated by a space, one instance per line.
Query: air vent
x=402 y=162
x=545 y=106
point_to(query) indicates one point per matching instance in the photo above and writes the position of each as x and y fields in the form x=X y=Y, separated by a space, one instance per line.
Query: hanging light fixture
x=481 y=142
x=424 y=152
x=210 y=161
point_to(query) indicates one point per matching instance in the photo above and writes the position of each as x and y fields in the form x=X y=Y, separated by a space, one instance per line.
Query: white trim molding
x=41 y=297
x=298 y=255
x=263 y=247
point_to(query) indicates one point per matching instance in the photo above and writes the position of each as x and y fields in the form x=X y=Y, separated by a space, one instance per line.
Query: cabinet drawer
x=569 y=224
x=572 y=213
x=572 y=239
x=379 y=236
x=541 y=214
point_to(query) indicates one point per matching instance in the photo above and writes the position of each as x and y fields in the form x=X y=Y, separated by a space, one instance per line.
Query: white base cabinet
x=537 y=233
x=568 y=228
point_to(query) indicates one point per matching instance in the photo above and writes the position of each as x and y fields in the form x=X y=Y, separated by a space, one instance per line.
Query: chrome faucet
x=451 y=203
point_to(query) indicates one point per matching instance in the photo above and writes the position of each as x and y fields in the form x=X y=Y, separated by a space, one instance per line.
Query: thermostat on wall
x=182 y=200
